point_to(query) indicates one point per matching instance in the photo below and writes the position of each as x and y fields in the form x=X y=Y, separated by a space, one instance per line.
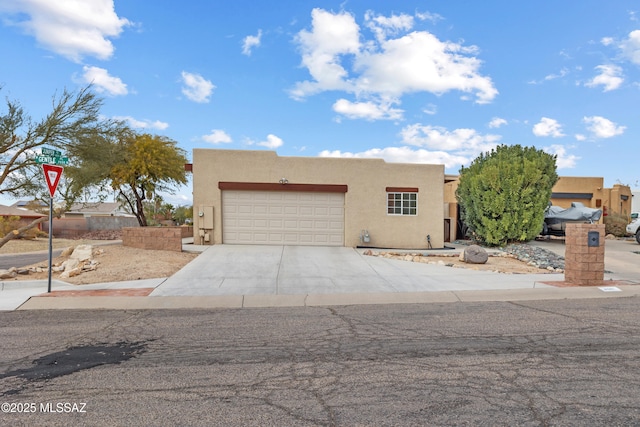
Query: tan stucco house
x=258 y=197
x=591 y=192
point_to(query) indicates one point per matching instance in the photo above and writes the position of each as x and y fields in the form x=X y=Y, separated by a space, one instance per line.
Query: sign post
x=52 y=175
x=52 y=162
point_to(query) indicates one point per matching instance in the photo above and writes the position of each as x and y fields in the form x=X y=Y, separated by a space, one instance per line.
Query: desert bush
x=616 y=224
x=10 y=223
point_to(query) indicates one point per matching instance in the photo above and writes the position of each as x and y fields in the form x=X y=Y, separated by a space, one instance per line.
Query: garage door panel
x=292 y=218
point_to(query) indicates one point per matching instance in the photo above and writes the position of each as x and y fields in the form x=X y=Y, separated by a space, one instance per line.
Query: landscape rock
x=71 y=272
x=474 y=254
x=67 y=251
x=82 y=253
x=7 y=274
x=541 y=257
x=69 y=264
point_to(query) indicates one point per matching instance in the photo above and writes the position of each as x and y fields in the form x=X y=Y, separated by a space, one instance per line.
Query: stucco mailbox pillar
x=584 y=254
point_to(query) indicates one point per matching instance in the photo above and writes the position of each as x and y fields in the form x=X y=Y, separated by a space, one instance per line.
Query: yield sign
x=52 y=175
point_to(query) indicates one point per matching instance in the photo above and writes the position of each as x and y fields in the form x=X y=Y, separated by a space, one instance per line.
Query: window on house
x=402 y=203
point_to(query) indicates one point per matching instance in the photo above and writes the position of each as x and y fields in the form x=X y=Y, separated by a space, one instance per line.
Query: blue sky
x=411 y=81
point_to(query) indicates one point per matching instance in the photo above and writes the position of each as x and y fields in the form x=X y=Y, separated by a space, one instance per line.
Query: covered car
x=556 y=218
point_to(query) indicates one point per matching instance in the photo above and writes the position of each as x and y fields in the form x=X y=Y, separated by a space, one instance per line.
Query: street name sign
x=50 y=152
x=52 y=160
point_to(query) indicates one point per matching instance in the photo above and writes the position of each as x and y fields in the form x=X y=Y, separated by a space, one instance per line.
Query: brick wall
x=583 y=264
x=158 y=238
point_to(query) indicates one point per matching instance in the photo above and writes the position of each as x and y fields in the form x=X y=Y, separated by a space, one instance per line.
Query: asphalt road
x=538 y=363
x=20 y=260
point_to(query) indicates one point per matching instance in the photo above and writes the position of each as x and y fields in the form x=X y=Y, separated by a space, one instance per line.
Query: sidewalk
x=249 y=276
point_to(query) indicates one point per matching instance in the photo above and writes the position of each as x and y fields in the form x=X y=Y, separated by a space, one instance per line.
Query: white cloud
x=609 y=77
x=71 y=28
x=403 y=155
x=607 y=41
x=563 y=72
x=382 y=70
x=217 y=136
x=383 y=26
x=142 y=124
x=496 y=122
x=419 y=62
x=249 y=42
x=367 y=110
x=103 y=82
x=427 y=16
x=563 y=160
x=272 y=142
x=631 y=47
x=580 y=137
x=196 y=88
x=463 y=142
x=430 y=109
x=332 y=36
x=603 y=128
x=548 y=127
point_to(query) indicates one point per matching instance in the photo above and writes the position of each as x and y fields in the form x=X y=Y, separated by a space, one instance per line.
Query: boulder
x=70 y=264
x=474 y=254
x=82 y=253
x=7 y=274
x=67 y=251
x=71 y=272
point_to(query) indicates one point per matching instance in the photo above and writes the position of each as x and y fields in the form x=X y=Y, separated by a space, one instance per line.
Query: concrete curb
x=28 y=284
x=264 y=301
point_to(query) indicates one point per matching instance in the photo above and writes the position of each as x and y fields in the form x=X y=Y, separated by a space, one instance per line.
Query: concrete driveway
x=295 y=270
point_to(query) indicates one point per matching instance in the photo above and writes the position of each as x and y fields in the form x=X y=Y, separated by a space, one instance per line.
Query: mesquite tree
x=74 y=116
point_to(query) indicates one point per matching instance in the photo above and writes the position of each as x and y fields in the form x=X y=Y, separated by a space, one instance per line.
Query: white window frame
x=404 y=203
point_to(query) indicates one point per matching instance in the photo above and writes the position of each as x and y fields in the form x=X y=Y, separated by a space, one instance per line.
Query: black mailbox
x=593 y=239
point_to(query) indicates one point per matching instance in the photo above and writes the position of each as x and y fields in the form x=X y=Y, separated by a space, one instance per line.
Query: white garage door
x=283 y=218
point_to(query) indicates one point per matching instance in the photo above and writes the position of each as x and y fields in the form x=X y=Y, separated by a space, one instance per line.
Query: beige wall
x=365 y=200
x=451 y=206
x=618 y=199
x=575 y=184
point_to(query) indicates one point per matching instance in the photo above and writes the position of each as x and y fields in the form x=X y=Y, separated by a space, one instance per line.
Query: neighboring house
x=26 y=216
x=258 y=197
x=590 y=191
x=85 y=210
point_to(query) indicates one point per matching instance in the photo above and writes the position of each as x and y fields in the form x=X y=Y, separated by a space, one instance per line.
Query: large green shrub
x=503 y=193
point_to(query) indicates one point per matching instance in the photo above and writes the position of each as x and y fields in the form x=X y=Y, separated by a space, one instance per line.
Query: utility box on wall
x=584 y=254
x=205 y=223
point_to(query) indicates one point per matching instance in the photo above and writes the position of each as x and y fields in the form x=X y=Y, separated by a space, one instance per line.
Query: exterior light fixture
x=284 y=181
